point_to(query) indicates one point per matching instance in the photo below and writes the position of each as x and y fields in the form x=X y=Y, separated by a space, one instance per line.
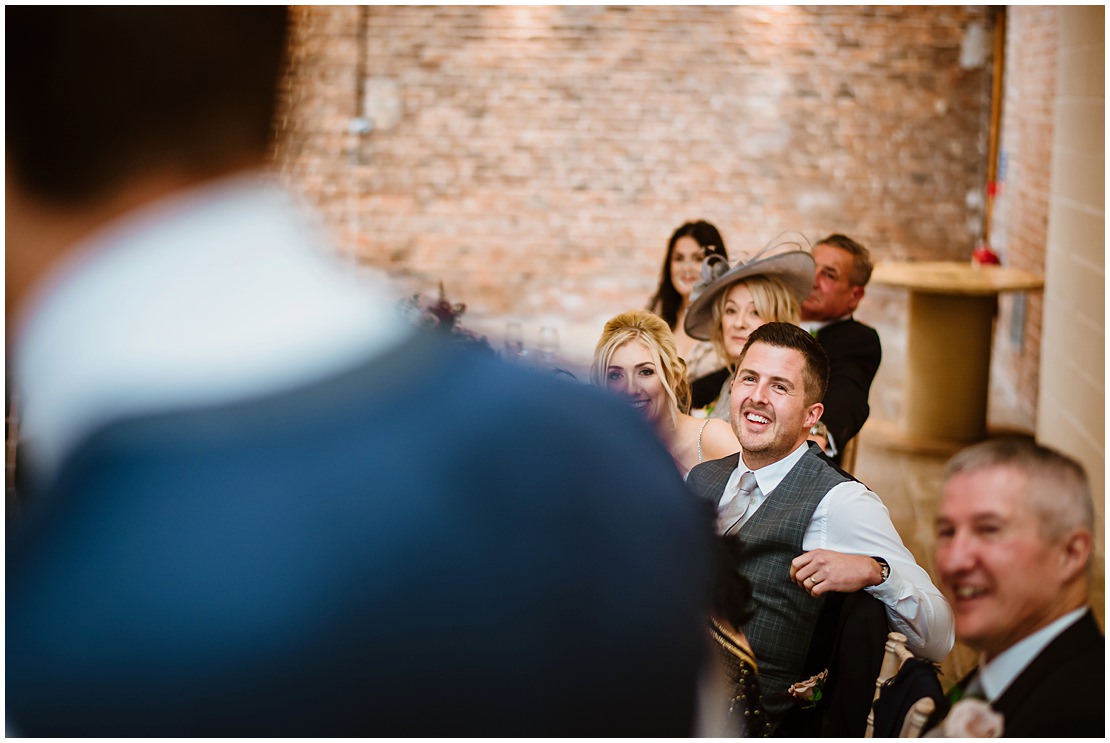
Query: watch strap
x=885 y=568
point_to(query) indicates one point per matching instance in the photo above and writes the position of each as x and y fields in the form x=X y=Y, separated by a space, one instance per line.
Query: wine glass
x=514 y=341
x=549 y=343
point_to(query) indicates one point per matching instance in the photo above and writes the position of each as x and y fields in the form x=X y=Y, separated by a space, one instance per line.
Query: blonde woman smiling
x=637 y=358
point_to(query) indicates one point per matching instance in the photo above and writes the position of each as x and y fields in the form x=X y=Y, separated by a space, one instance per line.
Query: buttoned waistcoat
x=785 y=614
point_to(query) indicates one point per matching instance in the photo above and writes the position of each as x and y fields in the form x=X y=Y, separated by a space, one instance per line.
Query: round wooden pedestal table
x=952 y=307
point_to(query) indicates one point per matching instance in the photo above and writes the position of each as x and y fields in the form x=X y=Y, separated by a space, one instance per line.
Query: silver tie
x=729 y=521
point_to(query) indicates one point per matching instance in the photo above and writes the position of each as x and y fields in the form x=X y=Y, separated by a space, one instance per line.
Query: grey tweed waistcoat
x=785 y=614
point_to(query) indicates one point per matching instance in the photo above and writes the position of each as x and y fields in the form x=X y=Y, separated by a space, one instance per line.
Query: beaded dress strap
x=703 y=425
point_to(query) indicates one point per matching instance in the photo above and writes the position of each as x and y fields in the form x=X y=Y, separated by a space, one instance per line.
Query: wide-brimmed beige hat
x=787 y=257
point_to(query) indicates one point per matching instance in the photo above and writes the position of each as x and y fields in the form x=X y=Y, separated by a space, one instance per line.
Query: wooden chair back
x=918 y=715
x=895 y=655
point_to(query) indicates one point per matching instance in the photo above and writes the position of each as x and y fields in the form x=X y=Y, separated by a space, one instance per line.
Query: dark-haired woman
x=690 y=244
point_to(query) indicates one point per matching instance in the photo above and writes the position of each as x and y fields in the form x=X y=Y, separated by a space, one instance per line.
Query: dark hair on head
x=97 y=95
x=861 y=258
x=788 y=335
x=667 y=300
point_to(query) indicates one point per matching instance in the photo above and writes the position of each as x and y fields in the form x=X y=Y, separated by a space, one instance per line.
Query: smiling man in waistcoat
x=809 y=528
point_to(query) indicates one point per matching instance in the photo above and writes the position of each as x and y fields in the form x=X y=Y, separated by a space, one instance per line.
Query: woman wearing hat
x=730 y=302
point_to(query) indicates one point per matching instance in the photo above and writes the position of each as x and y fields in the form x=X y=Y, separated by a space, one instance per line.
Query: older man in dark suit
x=1014 y=540
x=842 y=272
x=809 y=529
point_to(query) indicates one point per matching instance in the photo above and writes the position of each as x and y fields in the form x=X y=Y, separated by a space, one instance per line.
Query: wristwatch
x=819 y=429
x=885 y=568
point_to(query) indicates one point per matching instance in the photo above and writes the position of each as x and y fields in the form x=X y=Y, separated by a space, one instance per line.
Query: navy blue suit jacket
x=431 y=544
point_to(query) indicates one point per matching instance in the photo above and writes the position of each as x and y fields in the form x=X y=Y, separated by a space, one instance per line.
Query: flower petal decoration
x=972 y=718
x=810 y=691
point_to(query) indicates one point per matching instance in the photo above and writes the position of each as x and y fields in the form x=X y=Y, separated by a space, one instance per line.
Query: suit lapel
x=708 y=479
x=1075 y=639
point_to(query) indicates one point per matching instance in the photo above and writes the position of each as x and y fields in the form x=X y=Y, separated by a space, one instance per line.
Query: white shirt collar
x=208 y=295
x=766 y=478
x=812 y=326
x=769 y=477
x=997 y=675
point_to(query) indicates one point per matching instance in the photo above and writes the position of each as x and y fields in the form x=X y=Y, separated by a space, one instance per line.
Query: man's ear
x=1075 y=553
x=814 y=414
x=857 y=295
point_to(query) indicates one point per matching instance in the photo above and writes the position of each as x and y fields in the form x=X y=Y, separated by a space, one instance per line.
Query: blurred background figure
x=731 y=302
x=854 y=351
x=688 y=247
x=636 y=357
x=239 y=519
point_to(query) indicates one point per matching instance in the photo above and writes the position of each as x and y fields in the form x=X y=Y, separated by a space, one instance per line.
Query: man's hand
x=824 y=571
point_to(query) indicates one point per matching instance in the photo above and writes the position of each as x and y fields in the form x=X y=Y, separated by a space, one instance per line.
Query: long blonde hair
x=654 y=332
x=773 y=301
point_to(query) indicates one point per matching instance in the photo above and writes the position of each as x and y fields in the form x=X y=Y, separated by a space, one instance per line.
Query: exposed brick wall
x=1019 y=229
x=536 y=158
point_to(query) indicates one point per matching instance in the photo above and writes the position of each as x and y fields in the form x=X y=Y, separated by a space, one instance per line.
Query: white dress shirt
x=853 y=520
x=206 y=296
x=996 y=676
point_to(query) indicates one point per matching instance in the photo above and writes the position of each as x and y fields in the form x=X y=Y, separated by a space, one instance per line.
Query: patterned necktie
x=729 y=521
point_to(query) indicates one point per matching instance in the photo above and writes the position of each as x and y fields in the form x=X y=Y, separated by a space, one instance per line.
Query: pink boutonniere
x=810 y=691
x=969 y=718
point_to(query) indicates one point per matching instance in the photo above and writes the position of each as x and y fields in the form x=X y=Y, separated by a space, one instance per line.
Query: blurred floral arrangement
x=969 y=718
x=441 y=316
